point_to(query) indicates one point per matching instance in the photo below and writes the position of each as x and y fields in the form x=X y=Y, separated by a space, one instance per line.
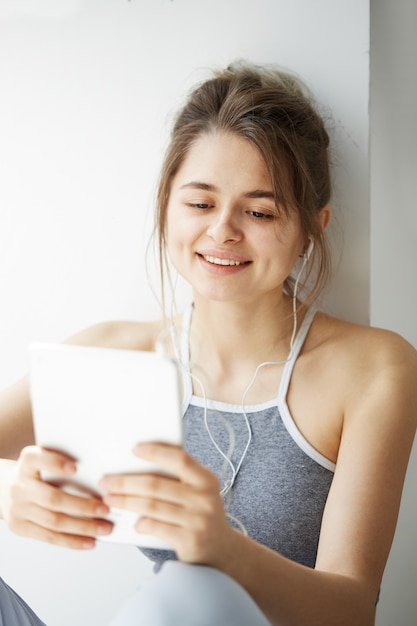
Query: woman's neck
x=225 y=334
x=228 y=342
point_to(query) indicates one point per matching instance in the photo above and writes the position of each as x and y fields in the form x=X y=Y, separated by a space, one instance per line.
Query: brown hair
x=273 y=110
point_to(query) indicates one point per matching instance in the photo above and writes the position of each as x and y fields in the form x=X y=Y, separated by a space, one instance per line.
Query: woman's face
x=225 y=235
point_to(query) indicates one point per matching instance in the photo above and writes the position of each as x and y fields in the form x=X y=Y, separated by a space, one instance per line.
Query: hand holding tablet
x=96 y=404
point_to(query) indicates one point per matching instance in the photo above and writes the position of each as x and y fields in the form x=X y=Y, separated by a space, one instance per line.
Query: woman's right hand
x=33 y=508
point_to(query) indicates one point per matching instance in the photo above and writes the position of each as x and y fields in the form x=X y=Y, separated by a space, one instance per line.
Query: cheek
x=290 y=240
x=181 y=231
x=282 y=257
x=171 y=244
x=171 y=230
x=177 y=235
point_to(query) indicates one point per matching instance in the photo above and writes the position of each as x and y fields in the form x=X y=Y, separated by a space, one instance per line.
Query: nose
x=224 y=227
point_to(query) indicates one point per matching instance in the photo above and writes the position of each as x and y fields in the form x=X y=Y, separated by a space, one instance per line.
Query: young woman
x=298 y=426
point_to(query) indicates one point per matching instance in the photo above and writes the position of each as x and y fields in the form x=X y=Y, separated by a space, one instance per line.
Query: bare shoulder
x=352 y=374
x=377 y=347
x=119 y=334
x=369 y=359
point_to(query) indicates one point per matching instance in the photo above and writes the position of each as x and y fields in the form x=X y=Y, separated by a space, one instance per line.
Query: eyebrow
x=256 y=193
x=198 y=185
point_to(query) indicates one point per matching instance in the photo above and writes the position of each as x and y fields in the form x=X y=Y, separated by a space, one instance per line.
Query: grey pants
x=14 y=611
x=179 y=595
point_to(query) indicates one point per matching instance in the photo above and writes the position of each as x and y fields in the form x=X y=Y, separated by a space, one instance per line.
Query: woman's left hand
x=185 y=509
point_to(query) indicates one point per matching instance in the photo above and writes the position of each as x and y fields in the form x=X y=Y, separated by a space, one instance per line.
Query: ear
x=324 y=216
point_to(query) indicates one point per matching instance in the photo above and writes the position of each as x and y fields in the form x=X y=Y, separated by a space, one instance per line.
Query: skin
x=352 y=395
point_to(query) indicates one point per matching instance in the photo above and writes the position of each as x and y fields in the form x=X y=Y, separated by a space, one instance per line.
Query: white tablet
x=95 y=404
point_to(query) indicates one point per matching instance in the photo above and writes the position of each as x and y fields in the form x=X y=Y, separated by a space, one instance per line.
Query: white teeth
x=212 y=259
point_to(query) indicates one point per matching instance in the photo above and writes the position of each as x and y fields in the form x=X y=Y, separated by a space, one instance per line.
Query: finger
x=171 y=534
x=75 y=542
x=33 y=459
x=53 y=509
x=137 y=492
x=63 y=524
x=56 y=499
x=177 y=461
x=167 y=512
x=144 y=485
x=189 y=546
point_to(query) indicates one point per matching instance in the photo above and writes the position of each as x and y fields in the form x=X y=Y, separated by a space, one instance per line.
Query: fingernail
x=70 y=467
x=104 y=529
x=104 y=484
x=139 y=448
x=102 y=509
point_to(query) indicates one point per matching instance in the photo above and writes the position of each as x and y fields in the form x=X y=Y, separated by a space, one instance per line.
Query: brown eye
x=261 y=216
x=200 y=205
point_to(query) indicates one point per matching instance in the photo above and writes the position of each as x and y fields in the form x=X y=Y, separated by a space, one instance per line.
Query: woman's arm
x=16 y=427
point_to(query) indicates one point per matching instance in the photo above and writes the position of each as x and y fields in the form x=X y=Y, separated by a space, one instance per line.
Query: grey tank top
x=280 y=491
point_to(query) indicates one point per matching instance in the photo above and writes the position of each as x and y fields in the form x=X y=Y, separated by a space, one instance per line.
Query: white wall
x=394 y=248
x=87 y=89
